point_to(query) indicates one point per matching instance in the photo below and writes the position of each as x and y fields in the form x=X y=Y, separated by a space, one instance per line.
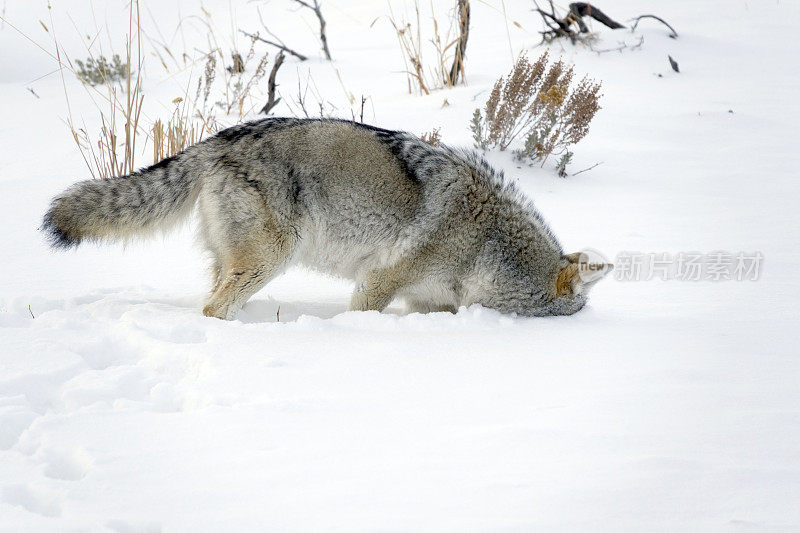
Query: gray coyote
x=433 y=225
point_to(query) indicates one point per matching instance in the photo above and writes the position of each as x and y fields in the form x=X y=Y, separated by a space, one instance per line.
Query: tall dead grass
x=113 y=151
x=448 y=47
x=174 y=136
x=117 y=148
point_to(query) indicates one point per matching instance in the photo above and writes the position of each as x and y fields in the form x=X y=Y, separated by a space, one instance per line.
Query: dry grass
x=115 y=89
x=538 y=101
x=178 y=134
x=113 y=153
x=238 y=84
x=432 y=137
x=122 y=136
x=448 y=52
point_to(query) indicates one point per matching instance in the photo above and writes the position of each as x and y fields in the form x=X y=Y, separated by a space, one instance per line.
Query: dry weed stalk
x=300 y=106
x=410 y=46
x=238 y=79
x=461 y=44
x=237 y=84
x=177 y=136
x=114 y=155
x=421 y=77
x=114 y=152
x=432 y=137
x=536 y=100
x=205 y=81
x=323 y=37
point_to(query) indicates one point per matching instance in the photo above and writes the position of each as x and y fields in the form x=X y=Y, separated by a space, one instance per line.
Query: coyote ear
x=578 y=276
x=566 y=279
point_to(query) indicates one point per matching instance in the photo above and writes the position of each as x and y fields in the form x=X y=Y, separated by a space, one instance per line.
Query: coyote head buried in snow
x=435 y=226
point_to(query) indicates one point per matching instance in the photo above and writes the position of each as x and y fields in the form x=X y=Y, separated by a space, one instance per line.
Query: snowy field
x=662 y=406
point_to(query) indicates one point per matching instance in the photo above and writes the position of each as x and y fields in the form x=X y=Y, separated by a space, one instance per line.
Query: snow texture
x=662 y=406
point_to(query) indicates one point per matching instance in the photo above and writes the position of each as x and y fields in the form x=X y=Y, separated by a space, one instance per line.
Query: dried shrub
x=537 y=101
x=432 y=137
x=113 y=153
x=205 y=82
x=180 y=131
x=100 y=71
x=115 y=149
x=237 y=84
x=449 y=49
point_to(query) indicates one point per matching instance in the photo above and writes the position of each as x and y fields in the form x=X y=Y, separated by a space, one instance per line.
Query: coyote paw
x=227 y=313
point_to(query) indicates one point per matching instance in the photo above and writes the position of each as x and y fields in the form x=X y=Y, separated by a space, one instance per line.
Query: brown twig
x=322 y=37
x=283 y=47
x=623 y=45
x=673 y=35
x=301 y=95
x=461 y=45
x=271 y=85
x=432 y=137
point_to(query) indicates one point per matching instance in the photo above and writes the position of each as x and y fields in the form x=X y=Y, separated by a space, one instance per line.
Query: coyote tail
x=150 y=199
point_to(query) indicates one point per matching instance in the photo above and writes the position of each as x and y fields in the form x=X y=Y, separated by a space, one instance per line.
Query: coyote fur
x=433 y=225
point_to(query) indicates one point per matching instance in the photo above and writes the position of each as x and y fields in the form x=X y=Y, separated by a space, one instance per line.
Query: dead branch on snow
x=322 y=36
x=271 y=85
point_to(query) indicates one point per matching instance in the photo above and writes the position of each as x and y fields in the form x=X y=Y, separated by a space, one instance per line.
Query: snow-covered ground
x=662 y=406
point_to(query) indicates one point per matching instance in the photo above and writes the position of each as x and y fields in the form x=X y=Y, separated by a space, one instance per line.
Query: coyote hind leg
x=249 y=232
x=243 y=275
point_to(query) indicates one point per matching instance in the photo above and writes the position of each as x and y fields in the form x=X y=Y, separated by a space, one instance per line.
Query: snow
x=662 y=406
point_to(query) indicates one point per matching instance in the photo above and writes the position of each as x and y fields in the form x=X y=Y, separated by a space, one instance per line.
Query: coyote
x=433 y=225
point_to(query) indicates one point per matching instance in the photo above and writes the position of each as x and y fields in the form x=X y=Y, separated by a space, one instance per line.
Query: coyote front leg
x=378 y=289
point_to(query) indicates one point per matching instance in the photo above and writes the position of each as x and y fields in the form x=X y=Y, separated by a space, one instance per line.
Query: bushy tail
x=150 y=199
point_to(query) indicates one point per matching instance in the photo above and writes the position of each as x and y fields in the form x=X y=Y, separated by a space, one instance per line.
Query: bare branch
x=286 y=49
x=588 y=169
x=271 y=85
x=622 y=46
x=582 y=9
x=322 y=36
x=673 y=35
x=301 y=95
x=555 y=27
